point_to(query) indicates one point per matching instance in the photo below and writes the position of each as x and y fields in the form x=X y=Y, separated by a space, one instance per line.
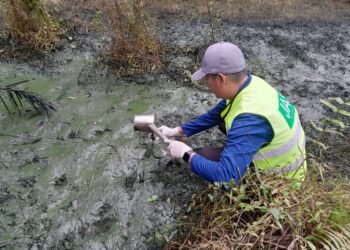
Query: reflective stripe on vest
x=289 y=168
x=282 y=149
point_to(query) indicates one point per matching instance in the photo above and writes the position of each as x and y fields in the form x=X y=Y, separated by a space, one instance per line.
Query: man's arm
x=246 y=136
x=205 y=121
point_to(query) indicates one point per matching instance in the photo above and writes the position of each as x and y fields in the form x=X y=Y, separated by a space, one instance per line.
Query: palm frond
x=332 y=239
x=15 y=96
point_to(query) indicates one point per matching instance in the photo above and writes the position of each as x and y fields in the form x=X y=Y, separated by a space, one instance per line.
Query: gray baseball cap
x=222 y=57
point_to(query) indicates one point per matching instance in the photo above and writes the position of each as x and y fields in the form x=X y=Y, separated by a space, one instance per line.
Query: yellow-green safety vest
x=285 y=154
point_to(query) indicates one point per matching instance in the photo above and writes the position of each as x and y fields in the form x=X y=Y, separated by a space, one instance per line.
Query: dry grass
x=31 y=24
x=134 y=48
x=76 y=14
x=267 y=213
x=262 y=9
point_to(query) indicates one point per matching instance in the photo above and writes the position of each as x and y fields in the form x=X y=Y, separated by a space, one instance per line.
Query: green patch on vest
x=286 y=109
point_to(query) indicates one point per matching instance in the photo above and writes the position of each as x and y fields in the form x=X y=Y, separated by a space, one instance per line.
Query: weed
x=270 y=212
x=28 y=21
x=262 y=9
x=133 y=48
x=329 y=138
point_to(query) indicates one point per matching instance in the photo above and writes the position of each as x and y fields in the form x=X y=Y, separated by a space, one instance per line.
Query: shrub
x=29 y=22
x=133 y=48
x=270 y=212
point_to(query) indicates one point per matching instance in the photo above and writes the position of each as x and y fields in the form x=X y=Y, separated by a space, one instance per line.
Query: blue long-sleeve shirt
x=247 y=135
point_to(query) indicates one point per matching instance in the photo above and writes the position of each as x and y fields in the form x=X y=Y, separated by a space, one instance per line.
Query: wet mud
x=84 y=179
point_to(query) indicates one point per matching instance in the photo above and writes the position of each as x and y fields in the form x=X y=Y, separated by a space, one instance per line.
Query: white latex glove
x=170 y=132
x=177 y=148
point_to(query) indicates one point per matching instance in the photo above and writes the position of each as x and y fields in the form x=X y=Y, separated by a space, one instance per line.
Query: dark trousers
x=213 y=153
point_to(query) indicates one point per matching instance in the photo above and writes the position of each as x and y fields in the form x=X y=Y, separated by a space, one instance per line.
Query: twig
x=8 y=242
x=239 y=219
x=210 y=22
x=276 y=245
x=183 y=244
x=8 y=135
x=3 y=223
x=5 y=243
x=16 y=83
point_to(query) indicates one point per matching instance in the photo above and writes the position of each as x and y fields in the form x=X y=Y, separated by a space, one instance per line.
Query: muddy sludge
x=83 y=179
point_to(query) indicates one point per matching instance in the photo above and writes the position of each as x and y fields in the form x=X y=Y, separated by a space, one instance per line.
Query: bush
x=27 y=21
x=133 y=47
x=269 y=213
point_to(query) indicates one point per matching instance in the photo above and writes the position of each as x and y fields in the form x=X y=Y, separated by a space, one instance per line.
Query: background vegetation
x=269 y=213
x=29 y=22
x=134 y=48
x=263 y=213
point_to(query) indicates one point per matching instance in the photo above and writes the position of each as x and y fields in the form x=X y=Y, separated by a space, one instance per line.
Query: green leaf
x=152 y=198
x=339 y=240
x=232 y=182
x=276 y=215
x=333 y=132
x=241 y=197
x=317 y=216
x=265 y=186
x=15 y=96
x=337 y=99
x=246 y=207
x=322 y=145
x=263 y=209
x=329 y=105
x=316 y=127
x=158 y=235
x=311 y=245
x=13 y=100
x=5 y=105
x=326 y=246
x=343 y=112
x=336 y=122
x=285 y=193
x=324 y=130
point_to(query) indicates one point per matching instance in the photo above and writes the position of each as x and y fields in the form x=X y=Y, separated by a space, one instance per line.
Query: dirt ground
x=84 y=179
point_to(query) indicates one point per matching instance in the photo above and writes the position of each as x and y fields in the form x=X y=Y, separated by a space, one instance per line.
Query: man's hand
x=170 y=132
x=177 y=149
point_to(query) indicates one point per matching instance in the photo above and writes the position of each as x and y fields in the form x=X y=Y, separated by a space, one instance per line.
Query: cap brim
x=198 y=75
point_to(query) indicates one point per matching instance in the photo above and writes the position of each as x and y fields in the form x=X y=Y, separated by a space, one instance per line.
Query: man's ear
x=221 y=78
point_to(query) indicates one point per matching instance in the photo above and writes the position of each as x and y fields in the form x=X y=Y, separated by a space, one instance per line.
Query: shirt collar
x=246 y=83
